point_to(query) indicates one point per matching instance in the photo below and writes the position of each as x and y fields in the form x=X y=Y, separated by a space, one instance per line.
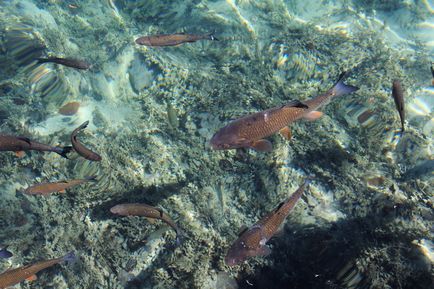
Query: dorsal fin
x=242 y=230
x=279 y=206
x=26 y=139
x=296 y=103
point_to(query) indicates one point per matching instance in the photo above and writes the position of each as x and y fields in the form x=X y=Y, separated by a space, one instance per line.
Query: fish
x=45 y=189
x=173 y=39
x=5 y=253
x=250 y=131
x=69 y=62
x=144 y=210
x=19 y=144
x=70 y=108
x=14 y=276
x=398 y=97
x=80 y=148
x=252 y=241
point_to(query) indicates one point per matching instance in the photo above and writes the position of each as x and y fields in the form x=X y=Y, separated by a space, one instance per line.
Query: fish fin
x=262 y=145
x=313 y=115
x=242 y=230
x=340 y=88
x=286 y=133
x=91 y=178
x=69 y=257
x=19 y=154
x=279 y=206
x=83 y=125
x=62 y=191
x=26 y=139
x=264 y=250
x=64 y=151
x=211 y=36
x=150 y=220
x=160 y=211
x=296 y=103
x=31 y=278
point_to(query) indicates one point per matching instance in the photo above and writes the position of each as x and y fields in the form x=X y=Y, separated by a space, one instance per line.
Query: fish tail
x=64 y=151
x=83 y=125
x=70 y=257
x=340 y=88
x=91 y=178
x=180 y=237
x=211 y=36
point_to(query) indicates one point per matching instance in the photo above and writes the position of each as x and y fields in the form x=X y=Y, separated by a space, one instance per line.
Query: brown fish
x=15 y=276
x=70 y=108
x=20 y=144
x=80 y=148
x=70 y=62
x=398 y=97
x=45 y=189
x=252 y=241
x=250 y=131
x=173 y=39
x=147 y=211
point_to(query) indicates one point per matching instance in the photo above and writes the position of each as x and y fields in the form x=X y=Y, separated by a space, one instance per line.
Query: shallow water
x=366 y=220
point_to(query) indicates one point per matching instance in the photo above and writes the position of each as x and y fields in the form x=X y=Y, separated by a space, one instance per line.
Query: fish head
x=237 y=254
x=225 y=138
x=144 y=40
x=116 y=210
x=240 y=252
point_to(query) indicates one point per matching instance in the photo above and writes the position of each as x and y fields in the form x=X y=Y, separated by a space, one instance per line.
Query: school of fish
x=249 y=131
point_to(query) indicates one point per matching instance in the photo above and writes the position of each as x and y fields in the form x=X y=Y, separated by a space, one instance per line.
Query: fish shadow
x=314 y=257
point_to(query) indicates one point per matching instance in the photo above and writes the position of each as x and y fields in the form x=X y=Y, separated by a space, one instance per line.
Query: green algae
x=212 y=194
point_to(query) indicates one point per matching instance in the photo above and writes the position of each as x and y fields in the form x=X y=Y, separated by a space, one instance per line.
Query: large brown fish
x=252 y=241
x=250 y=131
x=136 y=209
x=15 y=276
x=398 y=97
x=70 y=62
x=48 y=188
x=20 y=144
x=80 y=148
x=173 y=39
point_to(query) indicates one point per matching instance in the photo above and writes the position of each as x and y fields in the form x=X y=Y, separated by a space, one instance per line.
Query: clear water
x=366 y=220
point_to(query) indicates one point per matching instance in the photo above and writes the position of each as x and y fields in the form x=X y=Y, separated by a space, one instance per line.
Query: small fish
x=5 y=253
x=80 y=148
x=70 y=108
x=398 y=97
x=147 y=211
x=20 y=144
x=15 y=276
x=173 y=39
x=252 y=241
x=70 y=62
x=45 y=189
x=250 y=131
